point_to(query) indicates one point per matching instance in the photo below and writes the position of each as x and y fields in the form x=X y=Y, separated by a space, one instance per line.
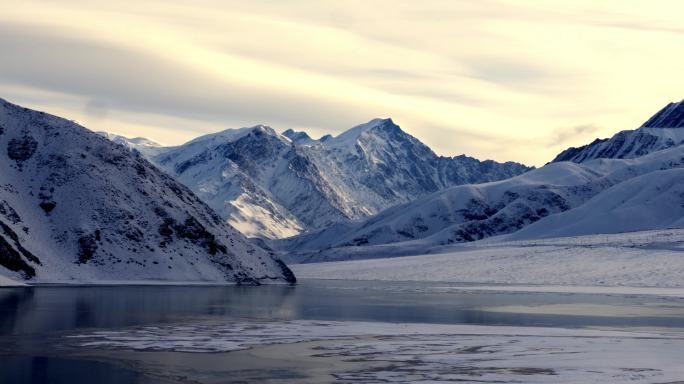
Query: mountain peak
x=264 y=129
x=297 y=137
x=232 y=134
x=671 y=116
x=378 y=123
x=126 y=140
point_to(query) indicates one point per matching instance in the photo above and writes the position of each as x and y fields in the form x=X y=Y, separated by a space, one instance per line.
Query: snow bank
x=641 y=259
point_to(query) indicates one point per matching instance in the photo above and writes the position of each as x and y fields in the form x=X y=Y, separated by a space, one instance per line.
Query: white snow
x=146 y=147
x=641 y=259
x=7 y=282
x=431 y=352
x=600 y=290
x=650 y=201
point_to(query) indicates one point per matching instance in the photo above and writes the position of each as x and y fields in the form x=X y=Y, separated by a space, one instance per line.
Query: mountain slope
x=651 y=201
x=663 y=130
x=257 y=180
x=648 y=185
x=275 y=186
x=76 y=207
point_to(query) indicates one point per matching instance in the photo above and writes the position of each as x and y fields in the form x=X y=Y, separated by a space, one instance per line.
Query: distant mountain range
x=76 y=207
x=275 y=185
x=625 y=183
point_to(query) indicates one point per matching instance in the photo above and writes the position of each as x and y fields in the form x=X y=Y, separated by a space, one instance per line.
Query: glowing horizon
x=496 y=79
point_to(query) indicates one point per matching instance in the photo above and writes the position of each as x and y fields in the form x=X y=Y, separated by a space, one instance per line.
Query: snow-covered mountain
x=256 y=179
x=275 y=185
x=559 y=199
x=458 y=214
x=146 y=147
x=664 y=130
x=76 y=207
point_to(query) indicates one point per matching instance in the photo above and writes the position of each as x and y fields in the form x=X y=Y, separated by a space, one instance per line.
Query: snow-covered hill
x=275 y=185
x=76 y=207
x=664 y=130
x=651 y=201
x=600 y=196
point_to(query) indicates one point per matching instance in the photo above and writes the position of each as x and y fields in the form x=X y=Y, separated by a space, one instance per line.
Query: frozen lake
x=336 y=331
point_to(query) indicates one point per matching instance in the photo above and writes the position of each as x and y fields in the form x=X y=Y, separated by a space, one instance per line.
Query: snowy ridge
x=75 y=207
x=146 y=147
x=661 y=131
x=279 y=185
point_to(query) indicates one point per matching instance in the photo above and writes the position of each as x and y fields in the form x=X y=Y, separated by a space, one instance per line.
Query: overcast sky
x=504 y=80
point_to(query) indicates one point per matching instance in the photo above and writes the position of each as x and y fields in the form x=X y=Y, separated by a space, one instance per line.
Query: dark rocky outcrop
x=21 y=149
x=13 y=255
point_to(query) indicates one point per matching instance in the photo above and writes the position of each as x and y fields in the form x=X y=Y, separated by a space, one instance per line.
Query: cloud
x=574 y=134
x=507 y=71
x=490 y=78
x=127 y=79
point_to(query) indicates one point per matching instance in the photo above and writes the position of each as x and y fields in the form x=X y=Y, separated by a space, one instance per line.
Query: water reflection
x=45 y=309
x=39 y=369
x=13 y=302
x=33 y=320
x=36 y=310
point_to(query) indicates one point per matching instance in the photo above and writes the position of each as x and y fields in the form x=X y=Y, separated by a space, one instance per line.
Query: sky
x=494 y=79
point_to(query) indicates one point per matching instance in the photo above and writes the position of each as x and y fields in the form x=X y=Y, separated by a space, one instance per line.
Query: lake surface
x=36 y=324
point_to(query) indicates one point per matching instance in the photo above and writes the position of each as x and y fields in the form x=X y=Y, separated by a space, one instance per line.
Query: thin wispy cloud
x=464 y=77
x=573 y=134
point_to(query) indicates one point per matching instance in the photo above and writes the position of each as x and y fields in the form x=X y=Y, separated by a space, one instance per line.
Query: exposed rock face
x=13 y=256
x=22 y=148
x=74 y=205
